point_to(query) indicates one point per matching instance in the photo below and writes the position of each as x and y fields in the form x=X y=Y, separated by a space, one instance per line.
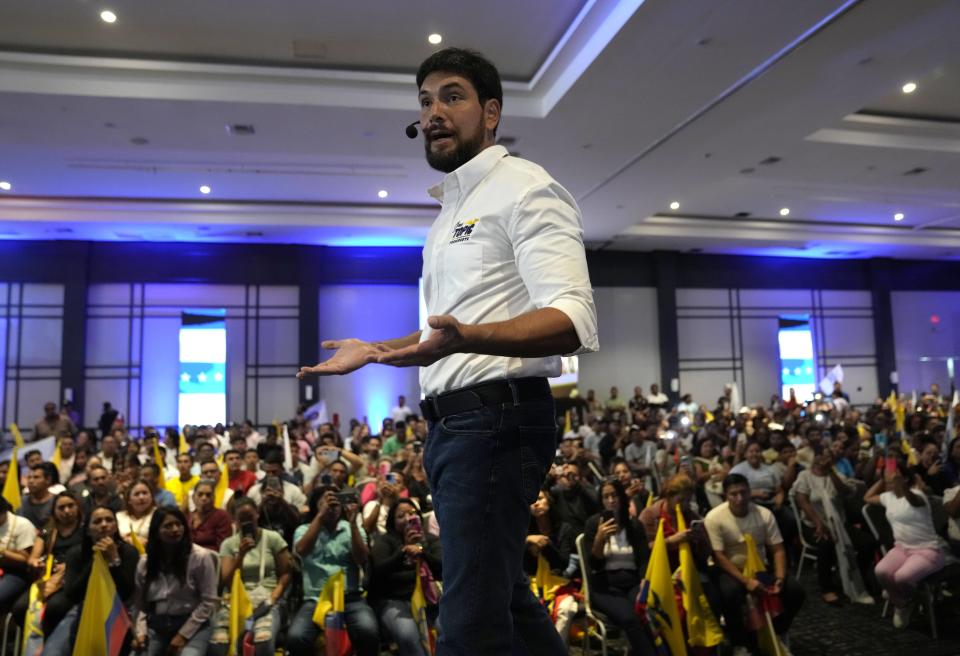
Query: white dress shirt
x=508 y=241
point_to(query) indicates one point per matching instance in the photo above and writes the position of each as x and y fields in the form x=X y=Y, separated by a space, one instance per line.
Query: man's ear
x=491 y=114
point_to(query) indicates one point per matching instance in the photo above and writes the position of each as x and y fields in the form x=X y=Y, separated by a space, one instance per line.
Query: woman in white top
x=819 y=494
x=136 y=518
x=617 y=556
x=917 y=551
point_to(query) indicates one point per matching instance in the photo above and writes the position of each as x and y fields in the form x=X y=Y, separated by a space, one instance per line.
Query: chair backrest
x=939 y=515
x=799 y=518
x=584 y=573
x=876 y=518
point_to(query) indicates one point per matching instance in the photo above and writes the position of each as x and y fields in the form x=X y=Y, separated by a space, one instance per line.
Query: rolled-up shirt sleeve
x=547 y=238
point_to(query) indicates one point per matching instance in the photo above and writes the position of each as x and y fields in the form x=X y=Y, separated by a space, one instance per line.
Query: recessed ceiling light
x=434 y=39
x=674 y=205
x=108 y=16
x=909 y=87
x=5 y=186
x=205 y=189
x=898 y=216
x=382 y=193
x=784 y=211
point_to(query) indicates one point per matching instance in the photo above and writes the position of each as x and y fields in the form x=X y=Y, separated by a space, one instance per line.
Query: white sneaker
x=901 y=616
x=865 y=599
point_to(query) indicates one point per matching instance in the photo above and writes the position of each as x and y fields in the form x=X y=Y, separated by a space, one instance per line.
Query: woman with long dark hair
x=395 y=559
x=100 y=535
x=917 y=551
x=617 y=559
x=176 y=589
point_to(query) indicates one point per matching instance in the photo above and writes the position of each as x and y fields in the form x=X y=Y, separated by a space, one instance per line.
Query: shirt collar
x=470 y=174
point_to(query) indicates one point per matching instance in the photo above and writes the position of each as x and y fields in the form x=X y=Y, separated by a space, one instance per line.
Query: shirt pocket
x=462 y=273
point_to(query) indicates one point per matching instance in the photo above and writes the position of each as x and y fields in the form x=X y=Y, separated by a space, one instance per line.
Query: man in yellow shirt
x=182 y=485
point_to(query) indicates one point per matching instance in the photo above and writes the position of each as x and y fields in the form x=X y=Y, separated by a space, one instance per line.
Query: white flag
x=287 y=456
x=834 y=376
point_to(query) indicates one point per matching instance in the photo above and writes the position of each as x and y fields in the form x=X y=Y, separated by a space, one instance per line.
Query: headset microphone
x=412 y=130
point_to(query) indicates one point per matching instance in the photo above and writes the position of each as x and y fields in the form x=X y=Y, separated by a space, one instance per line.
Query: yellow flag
x=221 y=489
x=56 y=458
x=418 y=609
x=908 y=452
x=183 y=446
x=157 y=458
x=136 y=543
x=661 y=600
x=649 y=499
x=240 y=609
x=330 y=599
x=11 y=488
x=567 y=424
x=703 y=630
x=104 y=621
x=767 y=641
x=545 y=583
x=892 y=400
x=17 y=437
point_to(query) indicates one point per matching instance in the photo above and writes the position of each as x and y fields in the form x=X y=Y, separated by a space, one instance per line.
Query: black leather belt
x=481 y=395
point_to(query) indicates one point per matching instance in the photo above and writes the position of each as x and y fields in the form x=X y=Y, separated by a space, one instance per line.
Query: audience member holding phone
x=388 y=491
x=617 y=562
x=678 y=490
x=397 y=557
x=265 y=566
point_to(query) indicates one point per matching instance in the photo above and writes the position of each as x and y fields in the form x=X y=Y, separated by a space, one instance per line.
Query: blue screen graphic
x=798 y=370
x=203 y=368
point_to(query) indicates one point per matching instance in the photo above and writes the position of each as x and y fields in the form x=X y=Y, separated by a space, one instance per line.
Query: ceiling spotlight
x=434 y=39
x=205 y=189
x=5 y=186
x=909 y=87
x=898 y=216
x=784 y=211
x=382 y=193
x=674 y=205
x=108 y=16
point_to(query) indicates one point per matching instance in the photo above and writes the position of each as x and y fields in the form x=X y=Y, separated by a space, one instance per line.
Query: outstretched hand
x=446 y=337
x=351 y=354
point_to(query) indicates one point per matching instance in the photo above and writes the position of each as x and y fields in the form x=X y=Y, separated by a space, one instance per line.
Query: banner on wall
x=203 y=368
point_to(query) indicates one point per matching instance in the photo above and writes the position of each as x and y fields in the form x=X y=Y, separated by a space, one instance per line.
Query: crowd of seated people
x=175 y=514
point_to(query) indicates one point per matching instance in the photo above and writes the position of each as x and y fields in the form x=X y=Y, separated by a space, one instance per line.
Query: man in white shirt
x=657 y=398
x=401 y=411
x=506 y=285
x=726 y=526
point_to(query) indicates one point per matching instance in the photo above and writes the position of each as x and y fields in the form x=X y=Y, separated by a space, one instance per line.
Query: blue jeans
x=60 y=642
x=486 y=467
x=159 y=640
x=361 y=627
x=397 y=621
x=11 y=586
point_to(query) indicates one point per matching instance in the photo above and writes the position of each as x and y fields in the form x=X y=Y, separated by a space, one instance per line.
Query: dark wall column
x=309 y=284
x=665 y=275
x=73 y=358
x=881 y=275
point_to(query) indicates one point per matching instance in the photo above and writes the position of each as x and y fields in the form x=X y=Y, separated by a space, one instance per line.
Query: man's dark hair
x=483 y=75
x=31 y=452
x=734 y=479
x=49 y=470
x=152 y=466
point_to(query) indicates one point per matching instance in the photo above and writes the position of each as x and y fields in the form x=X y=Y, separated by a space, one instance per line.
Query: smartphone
x=248 y=530
x=392 y=478
x=607 y=515
x=417 y=446
x=326 y=479
x=695 y=522
x=414 y=524
x=331 y=455
x=890 y=466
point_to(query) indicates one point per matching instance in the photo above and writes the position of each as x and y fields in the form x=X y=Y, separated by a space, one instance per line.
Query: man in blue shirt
x=331 y=542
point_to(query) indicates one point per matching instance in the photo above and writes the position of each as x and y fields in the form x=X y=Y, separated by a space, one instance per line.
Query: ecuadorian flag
x=104 y=622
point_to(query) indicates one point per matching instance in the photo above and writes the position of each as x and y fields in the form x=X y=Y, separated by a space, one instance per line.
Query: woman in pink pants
x=917 y=551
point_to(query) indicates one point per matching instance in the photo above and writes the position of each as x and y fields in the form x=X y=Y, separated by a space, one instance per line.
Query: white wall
x=915 y=337
x=368 y=312
x=730 y=335
x=629 y=352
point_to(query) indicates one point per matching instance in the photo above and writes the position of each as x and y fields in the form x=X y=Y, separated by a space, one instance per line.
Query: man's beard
x=452 y=160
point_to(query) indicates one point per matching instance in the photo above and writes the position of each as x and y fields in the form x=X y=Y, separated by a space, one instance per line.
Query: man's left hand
x=446 y=337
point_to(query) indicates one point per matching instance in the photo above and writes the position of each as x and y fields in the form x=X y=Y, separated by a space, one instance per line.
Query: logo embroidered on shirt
x=463 y=230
